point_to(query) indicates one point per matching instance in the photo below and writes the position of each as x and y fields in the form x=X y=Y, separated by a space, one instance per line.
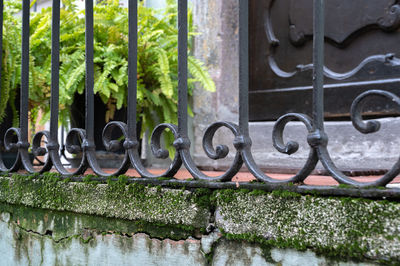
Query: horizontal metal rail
x=317 y=137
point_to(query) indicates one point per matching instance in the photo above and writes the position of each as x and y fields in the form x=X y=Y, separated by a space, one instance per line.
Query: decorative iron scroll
x=317 y=137
x=344 y=20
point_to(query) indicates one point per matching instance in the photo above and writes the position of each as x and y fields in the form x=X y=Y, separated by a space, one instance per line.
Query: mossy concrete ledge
x=115 y=199
x=220 y=225
x=337 y=227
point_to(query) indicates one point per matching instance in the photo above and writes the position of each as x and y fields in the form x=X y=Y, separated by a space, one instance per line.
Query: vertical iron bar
x=244 y=66
x=182 y=68
x=89 y=81
x=55 y=69
x=132 y=69
x=318 y=63
x=24 y=100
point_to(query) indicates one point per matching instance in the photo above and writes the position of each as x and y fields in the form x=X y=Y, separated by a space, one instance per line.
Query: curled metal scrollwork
x=110 y=145
x=12 y=135
x=80 y=142
x=364 y=127
x=39 y=151
x=132 y=147
x=391 y=20
x=73 y=148
x=288 y=148
x=221 y=151
x=20 y=147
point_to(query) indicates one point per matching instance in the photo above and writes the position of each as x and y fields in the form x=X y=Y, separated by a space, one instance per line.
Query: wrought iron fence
x=317 y=137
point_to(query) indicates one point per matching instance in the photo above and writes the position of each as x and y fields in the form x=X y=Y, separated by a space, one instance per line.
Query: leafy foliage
x=157 y=60
x=11 y=58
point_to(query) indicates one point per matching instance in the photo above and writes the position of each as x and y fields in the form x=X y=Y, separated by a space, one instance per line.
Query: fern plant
x=11 y=59
x=157 y=60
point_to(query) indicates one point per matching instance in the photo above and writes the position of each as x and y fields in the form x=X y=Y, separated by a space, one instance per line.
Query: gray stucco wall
x=217 y=46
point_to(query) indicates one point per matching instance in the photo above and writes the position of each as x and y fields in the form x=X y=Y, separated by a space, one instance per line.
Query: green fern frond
x=103 y=80
x=164 y=72
x=74 y=78
x=197 y=70
x=42 y=28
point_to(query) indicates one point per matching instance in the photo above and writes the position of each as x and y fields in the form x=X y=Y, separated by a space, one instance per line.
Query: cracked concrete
x=234 y=226
x=91 y=247
x=26 y=241
x=32 y=248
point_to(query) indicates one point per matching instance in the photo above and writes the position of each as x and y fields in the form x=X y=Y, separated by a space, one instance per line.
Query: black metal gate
x=317 y=138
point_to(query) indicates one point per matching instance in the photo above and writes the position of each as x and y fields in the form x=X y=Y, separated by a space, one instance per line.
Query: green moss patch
x=343 y=228
x=61 y=225
x=338 y=227
x=116 y=199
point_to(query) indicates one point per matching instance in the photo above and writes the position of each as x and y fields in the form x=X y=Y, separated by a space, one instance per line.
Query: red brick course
x=315 y=180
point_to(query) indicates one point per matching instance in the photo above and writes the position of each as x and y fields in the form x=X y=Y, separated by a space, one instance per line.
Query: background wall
x=217 y=45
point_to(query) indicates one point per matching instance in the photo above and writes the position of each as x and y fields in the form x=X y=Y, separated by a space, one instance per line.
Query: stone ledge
x=132 y=202
x=43 y=237
x=344 y=227
x=338 y=227
x=31 y=236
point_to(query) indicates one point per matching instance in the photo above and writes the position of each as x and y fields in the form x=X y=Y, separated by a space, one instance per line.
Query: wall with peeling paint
x=43 y=241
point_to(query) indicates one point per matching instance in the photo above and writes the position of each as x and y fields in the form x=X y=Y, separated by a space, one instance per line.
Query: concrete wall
x=217 y=45
x=28 y=244
x=48 y=221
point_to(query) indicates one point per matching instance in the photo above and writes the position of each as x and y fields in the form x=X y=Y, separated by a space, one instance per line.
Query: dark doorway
x=362 y=51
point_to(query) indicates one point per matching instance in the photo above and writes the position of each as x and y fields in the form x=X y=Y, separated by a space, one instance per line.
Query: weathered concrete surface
x=217 y=46
x=348 y=226
x=243 y=253
x=132 y=202
x=232 y=253
x=21 y=245
x=199 y=225
x=41 y=237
